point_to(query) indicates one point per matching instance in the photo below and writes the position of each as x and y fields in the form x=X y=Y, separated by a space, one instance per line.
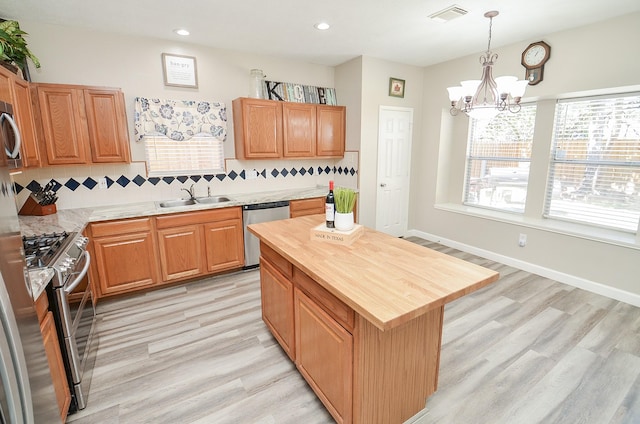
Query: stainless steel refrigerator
x=26 y=388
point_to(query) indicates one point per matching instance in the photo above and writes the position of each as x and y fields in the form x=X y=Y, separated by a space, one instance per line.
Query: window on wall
x=498 y=158
x=595 y=162
x=200 y=154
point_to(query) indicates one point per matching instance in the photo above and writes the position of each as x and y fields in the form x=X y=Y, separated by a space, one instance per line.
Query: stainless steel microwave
x=10 y=136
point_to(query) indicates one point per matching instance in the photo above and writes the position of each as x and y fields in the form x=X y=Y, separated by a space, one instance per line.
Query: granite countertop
x=76 y=219
x=39 y=279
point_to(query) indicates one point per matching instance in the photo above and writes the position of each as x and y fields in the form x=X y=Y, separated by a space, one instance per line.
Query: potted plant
x=13 y=47
x=345 y=200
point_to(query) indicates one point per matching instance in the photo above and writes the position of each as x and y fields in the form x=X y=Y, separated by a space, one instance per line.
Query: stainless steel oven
x=71 y=301
x=73 y=306
x=10 y=136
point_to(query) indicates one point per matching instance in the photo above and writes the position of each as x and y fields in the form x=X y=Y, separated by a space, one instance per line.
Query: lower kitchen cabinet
x=54 y=356
x=180 y=252
x=125 y=255
x=306 y=207
x=224 y=244
x=324 y=356
x=277 y=306
x=313 y=327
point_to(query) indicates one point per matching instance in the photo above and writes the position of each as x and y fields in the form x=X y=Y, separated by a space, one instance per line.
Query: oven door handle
x=80 y=275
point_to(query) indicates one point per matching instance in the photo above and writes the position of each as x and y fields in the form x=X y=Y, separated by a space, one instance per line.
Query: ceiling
x=398 y=31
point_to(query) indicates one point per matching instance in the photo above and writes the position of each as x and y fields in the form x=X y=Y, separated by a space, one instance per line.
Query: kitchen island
x=363 y=323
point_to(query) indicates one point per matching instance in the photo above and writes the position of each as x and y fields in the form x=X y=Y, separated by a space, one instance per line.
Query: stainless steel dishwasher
x=254 y=214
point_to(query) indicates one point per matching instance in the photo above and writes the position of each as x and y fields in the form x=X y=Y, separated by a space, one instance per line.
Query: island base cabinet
x=324 y=356
x=277 y=306
x=395 y=371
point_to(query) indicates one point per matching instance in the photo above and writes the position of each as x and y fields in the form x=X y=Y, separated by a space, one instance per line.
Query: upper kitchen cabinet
x=5 y=84
x=257 y=125
x=331 y=130
x=83 y=125
x=299 y=126
x=23 y=107
x=268 y=129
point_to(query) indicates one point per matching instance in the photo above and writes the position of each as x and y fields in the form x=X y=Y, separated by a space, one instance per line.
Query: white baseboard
x=598 y=288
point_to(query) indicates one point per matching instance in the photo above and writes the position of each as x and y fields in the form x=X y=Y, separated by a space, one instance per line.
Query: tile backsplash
x=79 y=186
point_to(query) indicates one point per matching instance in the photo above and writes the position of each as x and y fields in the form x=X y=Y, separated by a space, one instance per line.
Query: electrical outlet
x=522 y=240
x=102 y=183
x=252 y=174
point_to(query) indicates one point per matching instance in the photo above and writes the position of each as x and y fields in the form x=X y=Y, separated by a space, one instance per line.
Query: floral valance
x=179 y=119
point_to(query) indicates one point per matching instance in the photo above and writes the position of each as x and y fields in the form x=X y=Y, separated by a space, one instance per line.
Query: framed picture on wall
x=396 y=87
x=179 y=71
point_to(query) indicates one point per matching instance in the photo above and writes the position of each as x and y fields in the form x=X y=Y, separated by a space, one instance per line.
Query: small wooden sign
x=331 y=235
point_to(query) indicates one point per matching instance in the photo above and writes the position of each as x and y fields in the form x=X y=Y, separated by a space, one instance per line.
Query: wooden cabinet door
x=5 y=84
x=63 y=120
x=224 y=242
x=56 y=365
x=306 y=207
x=331 y=131
x=107 y=125
x=299 y=129
x=277 y=306
x=23 y=108
x=257 y=126
x=125 y=262
x=324 y=356
x=180 y=252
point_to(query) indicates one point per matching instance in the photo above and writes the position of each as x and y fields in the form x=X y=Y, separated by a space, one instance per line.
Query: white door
x=394 y=160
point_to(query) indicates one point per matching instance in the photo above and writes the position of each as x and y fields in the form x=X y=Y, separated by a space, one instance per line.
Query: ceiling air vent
x=448 y=14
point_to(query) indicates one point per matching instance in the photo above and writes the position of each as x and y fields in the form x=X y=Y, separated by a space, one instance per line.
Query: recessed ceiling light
x=322 y=26
x=181 y=31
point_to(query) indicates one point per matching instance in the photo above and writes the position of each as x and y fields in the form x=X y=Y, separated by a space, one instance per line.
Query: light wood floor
x=523 y=350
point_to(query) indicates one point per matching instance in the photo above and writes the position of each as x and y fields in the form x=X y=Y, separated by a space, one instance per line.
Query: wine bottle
x=330 y=207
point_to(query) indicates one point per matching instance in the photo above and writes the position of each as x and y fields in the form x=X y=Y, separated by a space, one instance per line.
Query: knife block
x=32 y=207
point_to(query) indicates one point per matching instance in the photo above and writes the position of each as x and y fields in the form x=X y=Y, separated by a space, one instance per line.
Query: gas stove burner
x=41 y=249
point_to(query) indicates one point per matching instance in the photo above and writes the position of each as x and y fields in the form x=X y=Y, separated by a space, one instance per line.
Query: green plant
x=13 y=47
x=345 y=199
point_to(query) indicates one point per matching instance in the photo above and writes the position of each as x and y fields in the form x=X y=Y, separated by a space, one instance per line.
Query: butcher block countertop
x=387 y=280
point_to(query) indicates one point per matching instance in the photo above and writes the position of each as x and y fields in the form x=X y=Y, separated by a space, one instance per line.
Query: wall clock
x=533 y=59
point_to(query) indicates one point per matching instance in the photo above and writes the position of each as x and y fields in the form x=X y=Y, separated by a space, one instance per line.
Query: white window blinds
x=595 y=162
x=498 y=158
x=201 y=154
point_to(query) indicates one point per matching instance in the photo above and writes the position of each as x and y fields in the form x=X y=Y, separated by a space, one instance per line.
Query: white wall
x=77 y=56
x=588 y=60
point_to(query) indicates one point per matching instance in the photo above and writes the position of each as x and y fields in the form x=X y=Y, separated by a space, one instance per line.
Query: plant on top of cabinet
x=13 y=47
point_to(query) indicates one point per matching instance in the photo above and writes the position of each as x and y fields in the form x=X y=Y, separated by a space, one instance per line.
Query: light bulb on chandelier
x=485 y=98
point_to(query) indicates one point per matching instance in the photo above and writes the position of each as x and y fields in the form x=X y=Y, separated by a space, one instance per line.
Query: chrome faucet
x=191 y=191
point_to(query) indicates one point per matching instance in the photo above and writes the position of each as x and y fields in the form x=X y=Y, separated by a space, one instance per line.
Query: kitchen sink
x=175 y=203
x=212 y=199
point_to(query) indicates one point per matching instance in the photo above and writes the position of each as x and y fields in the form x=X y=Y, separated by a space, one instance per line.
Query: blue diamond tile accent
x=340 y=170
x=233 y=175
x=33 y=186
x=123 y=181
x=319 y=171
x=243 y=175
x=196 y=178
x=17 y=188
x=335 y=169
x=303 y=171
x=293 y=172
x=221 y=176
x=327 y=170
x=72 y=184
x=139 y=180
x=182 y=178
x=109 y=182
x=208 y=177
x=264 y=173
x=274 y=173
x=352 y=171
x=310 y=170
x=154 y=180
x=284 y=172
x=168 y=180
x=89 y=183
x=56 y=185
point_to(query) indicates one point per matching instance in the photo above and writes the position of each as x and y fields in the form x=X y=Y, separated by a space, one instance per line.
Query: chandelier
x=485 y=98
